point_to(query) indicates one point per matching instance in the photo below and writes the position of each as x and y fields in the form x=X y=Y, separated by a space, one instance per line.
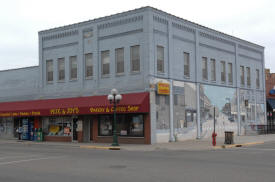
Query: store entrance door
x=74 y=129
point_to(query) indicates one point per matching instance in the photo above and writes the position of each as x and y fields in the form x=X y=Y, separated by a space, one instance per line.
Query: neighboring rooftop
x=138 y=10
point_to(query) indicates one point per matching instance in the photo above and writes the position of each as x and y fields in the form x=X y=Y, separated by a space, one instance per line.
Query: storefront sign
x=123 y=109
x=20 y=114
x=163 y=88
x=66 y=111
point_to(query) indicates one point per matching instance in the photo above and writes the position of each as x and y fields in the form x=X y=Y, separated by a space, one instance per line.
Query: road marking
x=18 y=156
x=28 y=160
x=264 y=149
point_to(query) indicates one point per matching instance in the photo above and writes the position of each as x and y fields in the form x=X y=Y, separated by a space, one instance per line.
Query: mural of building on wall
x=224 y=101
x=252 y=111
x=185 y=113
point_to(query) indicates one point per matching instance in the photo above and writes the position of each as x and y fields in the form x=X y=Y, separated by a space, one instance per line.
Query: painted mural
x=223 y=100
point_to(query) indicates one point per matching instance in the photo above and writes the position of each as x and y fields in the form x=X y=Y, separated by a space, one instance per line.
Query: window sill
x=73 y=80
x=223 y=82
x=213 y=81
x=135 y=72
x=120 y=74
x=50 y=83
x=89 y=78
x=186 y=77
x=61 y=81
x=105 y=76
x=204 y=80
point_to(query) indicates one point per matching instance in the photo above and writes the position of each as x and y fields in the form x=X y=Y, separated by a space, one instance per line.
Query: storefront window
x=127 y=125
x=57 y=126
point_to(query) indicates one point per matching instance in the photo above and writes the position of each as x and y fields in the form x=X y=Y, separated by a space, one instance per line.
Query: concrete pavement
x=191 y=145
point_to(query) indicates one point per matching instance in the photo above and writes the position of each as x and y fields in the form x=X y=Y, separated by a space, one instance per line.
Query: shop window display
x=57 y=126
x=127 y=125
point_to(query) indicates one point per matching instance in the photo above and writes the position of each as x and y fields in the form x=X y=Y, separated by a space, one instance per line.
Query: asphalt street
x=35 y=163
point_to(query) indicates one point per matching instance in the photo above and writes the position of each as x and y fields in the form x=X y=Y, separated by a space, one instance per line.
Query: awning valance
x=130 y=103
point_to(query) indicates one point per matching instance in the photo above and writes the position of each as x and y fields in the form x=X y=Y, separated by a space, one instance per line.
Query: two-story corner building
x=171 y=73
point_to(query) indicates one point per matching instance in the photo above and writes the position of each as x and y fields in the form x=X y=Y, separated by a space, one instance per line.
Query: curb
x=237 y=145
x=100 y=147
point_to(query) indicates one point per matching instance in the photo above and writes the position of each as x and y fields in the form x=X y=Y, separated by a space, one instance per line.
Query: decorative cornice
x=60 y=46
x=212 y=37
x=182 y=27
x=120 y=22
x=121 y=34
x=216 y=48
x=249 y=48
x=160 y=32
x=183 y=39
x=60 y=35
x=249 y=57
x=160 y=20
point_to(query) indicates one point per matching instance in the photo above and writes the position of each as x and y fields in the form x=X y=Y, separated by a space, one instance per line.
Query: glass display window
x=57 y=126
x=127 y=125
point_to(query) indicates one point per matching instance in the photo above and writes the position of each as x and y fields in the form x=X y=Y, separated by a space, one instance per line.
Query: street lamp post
x=114 y=98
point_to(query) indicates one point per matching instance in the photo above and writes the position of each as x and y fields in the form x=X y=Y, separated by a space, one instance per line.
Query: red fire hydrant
x=214 y=135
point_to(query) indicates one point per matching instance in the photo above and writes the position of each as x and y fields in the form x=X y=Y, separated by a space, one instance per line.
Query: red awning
x=130 y=103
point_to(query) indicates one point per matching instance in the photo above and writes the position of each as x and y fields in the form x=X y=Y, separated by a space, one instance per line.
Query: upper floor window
x=223 y=77
x=105 y=62
x=230 y=74
x=248 y=76
x=61 y=69
x=257 y=78
x=73 y=67
x=160 y=59
x=204 y=69
x=213 y=69
x=242 y=75
x=186 y=64
x=119 y=60
x=49 y=70
x=88 y=65
x=135 y=59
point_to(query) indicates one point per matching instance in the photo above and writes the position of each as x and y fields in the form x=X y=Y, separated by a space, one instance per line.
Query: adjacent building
x=172 y=74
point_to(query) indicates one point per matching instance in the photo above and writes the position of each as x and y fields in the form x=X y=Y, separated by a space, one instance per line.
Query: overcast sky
x=20 y=21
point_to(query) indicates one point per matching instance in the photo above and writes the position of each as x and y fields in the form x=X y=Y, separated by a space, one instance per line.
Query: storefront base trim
x=124 y=140
x=58 y=138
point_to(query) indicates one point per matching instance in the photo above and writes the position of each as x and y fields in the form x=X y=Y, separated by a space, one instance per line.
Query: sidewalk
x=191 y=145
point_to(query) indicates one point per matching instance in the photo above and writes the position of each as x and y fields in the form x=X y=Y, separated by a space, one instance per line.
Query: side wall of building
x=19 y=84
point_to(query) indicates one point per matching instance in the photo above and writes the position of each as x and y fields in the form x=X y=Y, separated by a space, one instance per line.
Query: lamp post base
x=115 y=144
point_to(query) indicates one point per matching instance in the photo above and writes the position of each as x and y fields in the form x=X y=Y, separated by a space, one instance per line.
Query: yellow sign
x=67 y=111
x=19 y=114
x=163 y=88
x=111 y=109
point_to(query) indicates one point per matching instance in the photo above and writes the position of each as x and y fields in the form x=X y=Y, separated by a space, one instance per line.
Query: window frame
x=248 y=76
x=47 y=71
x=213 y=70
x=71 y=61
x=204 y=71
x=186 y=59
x=59 y=61
x=242 y=76
x=86 y=67
x=102 y=64
x=123 y=60
x=132 y=60
x=160 y=59
x=223 y=72
x=257 y=79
